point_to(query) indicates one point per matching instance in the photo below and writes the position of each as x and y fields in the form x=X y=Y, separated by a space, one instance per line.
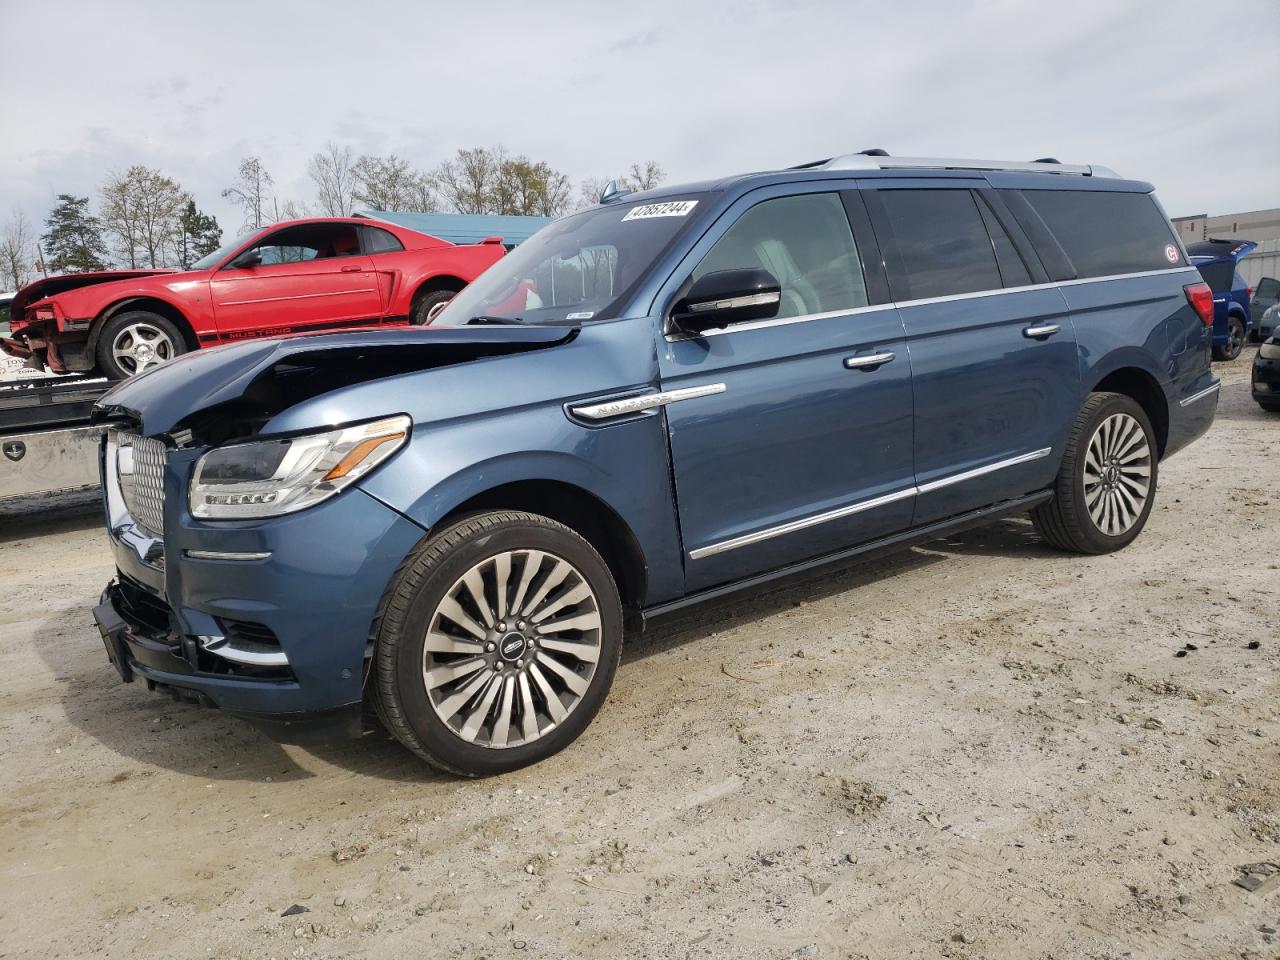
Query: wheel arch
x=162 y=307
x=1145 y=390
x=581 y=511
x=435 y=283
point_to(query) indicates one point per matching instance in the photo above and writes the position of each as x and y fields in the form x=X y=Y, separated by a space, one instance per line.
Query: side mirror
x=247 y=260
x=726 y=297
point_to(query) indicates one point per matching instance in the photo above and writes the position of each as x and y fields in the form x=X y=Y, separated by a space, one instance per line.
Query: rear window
x=1108 y=233
x=1268 y=288
x=1218 y=274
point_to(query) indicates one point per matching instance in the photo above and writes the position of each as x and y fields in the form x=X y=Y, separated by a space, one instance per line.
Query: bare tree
x=252 y=192
x=141 y=209
x=467 y=182
x=643 y=176
x=16 y=251
x=589 y=191
x=333 y=173
x=389 y=183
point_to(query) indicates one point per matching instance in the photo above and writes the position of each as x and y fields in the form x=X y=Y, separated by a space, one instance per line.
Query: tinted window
x=1107 y=233
x=311 y=241
x=942 y=245
x=377 y=240
x=1268 y=288
x=1013 y=271
x=806 y=243
x=1217 y=274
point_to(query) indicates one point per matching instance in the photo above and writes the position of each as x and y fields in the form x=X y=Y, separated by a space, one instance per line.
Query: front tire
x=1235 y=340
x=1106 y=484
x=496 y=643
x=132 y=341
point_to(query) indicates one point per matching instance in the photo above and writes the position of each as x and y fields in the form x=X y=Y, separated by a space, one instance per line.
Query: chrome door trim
x=784 y=321
x=870 y=360
x=645 y=401
x=1188 y=401
x=1044 y=330
x=803 y=523
x=983 y=471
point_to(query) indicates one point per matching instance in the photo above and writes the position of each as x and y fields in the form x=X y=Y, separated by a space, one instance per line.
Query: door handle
x=353 y=269
x=868 y=362
x=1035 y=333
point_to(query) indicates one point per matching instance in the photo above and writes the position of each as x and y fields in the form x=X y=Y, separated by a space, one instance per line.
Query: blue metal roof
x=463 y=227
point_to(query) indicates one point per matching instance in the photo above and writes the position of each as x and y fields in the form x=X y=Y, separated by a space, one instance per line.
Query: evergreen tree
x=73 y=238
x=198 y=234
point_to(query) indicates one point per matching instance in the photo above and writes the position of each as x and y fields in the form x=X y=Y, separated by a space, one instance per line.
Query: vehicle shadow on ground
x=1014 y=537
x=155 y=730
x=26 y=518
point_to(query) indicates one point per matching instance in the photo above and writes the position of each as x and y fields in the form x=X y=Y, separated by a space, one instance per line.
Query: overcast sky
x=1181 y=94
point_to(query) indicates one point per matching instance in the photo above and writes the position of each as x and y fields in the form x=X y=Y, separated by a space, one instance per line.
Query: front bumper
x=1266 y=379
x=266 y=619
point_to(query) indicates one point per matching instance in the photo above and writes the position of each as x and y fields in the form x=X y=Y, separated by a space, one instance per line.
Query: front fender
x=624 y=465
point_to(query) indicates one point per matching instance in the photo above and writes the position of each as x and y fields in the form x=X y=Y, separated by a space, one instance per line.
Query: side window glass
x=942 y=244
x=1106 y=233
x=806 y=243
x=377 y=240
x=309 y=242
x=1013 y=271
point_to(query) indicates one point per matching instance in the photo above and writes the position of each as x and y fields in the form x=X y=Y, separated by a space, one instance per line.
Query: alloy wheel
x=511 y=648
x=1117 y=474
x=139 y=345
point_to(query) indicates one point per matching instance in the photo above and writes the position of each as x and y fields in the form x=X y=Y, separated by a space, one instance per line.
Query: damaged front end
x=244 y=580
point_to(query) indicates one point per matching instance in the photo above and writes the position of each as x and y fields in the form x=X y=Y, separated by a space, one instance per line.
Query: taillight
x=1201 y=299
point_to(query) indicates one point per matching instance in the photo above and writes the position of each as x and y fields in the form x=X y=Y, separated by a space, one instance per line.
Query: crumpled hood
x=48 y=286
x=255 y=380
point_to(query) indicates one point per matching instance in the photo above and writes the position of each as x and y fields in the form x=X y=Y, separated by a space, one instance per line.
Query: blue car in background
x=1217 y=261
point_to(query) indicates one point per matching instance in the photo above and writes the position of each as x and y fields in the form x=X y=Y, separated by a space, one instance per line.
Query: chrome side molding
x=226 y=555
x=645 y=401
x=1188 y=401
x=840 y=512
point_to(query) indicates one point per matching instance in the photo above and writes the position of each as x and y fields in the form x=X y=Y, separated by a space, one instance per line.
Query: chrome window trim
x=1188 y=401
x=972 y=295
x=747 y=539
x=645 y=401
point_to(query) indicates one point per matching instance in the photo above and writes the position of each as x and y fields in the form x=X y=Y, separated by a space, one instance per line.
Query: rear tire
x=427 y=305
x=1271 y=406
x=495 y=643
x=1235 y=341
x=134 y=340
x=1106 y=484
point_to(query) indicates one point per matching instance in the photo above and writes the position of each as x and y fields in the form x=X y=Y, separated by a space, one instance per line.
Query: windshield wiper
x=485 y=318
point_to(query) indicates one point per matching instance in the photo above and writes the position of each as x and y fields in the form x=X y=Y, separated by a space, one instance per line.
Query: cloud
x=706 y=89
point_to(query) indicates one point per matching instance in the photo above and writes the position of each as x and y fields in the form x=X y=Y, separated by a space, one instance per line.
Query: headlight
x=1269 y=351
x=271 y=477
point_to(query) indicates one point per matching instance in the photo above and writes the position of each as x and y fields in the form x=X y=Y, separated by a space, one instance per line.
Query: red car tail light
x=1201 y=299
x=44 y=313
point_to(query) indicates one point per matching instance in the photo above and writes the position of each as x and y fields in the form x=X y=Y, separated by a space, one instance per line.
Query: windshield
x=576 y=269
x=212 y=259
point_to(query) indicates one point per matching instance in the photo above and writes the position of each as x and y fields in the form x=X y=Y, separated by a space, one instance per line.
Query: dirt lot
x=981 y=748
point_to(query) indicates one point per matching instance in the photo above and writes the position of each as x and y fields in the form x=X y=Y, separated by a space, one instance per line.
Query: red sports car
x=314 y=274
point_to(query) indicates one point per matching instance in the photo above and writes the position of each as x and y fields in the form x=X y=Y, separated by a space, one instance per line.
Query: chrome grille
x=140 y=467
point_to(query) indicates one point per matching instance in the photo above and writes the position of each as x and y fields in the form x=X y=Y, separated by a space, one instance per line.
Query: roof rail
x=869 y=160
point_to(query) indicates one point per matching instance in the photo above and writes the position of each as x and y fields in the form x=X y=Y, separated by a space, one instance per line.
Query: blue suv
x=654 y=402
x=1218 y=262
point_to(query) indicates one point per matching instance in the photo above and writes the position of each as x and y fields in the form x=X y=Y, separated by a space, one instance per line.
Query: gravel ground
x=978 y=748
